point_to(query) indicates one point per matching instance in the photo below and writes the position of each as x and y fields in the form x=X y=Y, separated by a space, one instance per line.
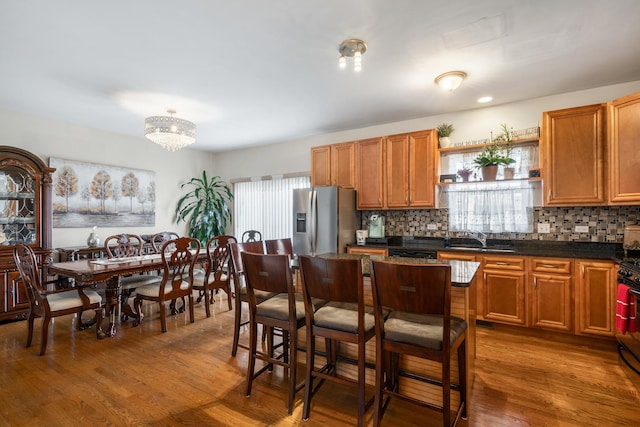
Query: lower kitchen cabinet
x=367 y=250
x=504 y=283
x=551 y=302
x=595 y=297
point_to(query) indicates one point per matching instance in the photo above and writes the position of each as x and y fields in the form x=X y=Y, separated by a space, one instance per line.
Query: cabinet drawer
x=551 y=265
x=502 y=262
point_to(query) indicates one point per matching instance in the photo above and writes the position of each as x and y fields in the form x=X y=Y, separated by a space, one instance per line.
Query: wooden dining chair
x=52 y=303
x=251 y=236
x=159 y=239
x=177 y=278
x=239 y=289
x=285 y=311
x=215 y=276
x=122 y=246
x=420 y=325
x=342 y=317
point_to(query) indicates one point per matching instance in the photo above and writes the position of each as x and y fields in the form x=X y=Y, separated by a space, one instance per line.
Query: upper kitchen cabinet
x=333 y=165
x=573 y=160
x=25 y=217
x=370 y=173
x=624 y=149
x=410 y=168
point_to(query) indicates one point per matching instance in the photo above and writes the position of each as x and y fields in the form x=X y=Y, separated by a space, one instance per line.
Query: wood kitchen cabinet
x=333 y=165
x=410 y=169
x=25 y=217
x=504 y=284
x=574 y=156
x=551 y=302
x=370 y=173
x=476 y=290
x=595 y=297
x=367 y=250
x=624 y=149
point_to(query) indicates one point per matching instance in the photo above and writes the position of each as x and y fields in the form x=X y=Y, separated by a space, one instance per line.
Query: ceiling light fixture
x=451 y=80
x=170 y=132
x=352 y=48
x=485 y=99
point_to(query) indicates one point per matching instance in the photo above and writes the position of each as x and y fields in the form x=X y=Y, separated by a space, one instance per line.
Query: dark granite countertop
x=585 y=250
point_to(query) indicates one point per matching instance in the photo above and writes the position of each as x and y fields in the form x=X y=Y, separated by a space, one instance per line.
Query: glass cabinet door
x=18 y=206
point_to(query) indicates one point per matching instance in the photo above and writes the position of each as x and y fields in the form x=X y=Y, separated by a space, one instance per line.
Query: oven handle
x=622 y=347
x=635 y=292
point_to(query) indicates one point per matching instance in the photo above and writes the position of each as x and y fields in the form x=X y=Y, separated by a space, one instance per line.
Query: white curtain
x=266 y=206
x=497 y=207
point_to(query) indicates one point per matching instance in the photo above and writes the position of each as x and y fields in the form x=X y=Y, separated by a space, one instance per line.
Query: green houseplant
x=444 y=131
x=206 y=208
x=504 y=137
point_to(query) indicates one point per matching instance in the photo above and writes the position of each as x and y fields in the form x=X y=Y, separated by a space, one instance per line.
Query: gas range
x=629 y=272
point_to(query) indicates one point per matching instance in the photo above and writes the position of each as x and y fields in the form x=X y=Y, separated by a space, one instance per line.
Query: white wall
x=49 y=138
x=294 y=156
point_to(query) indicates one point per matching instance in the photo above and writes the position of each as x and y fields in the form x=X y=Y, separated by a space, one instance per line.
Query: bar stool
x=343 y=317
x=285 y=310
x=420 y=324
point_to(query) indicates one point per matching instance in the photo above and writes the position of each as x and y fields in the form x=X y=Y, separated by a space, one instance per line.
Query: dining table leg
x=112 y=295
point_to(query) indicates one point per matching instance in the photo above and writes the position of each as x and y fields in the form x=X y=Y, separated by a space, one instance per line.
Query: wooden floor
x=187 y=376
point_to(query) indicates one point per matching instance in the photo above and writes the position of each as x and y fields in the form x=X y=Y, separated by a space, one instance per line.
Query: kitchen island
x=463 y=306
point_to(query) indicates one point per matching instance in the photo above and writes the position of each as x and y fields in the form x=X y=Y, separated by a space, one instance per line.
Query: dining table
x=93 y=272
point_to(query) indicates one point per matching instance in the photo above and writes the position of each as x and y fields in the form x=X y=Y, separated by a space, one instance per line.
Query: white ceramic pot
x=445 y=142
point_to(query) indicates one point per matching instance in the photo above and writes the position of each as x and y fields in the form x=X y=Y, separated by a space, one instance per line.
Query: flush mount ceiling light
x=451 y=80
x=170 y=132
x=352 y=48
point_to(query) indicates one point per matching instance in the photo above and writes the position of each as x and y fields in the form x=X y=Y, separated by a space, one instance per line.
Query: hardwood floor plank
x=187 y=376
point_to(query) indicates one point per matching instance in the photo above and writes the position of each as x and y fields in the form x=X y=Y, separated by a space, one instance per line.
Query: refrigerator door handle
x=313 y=222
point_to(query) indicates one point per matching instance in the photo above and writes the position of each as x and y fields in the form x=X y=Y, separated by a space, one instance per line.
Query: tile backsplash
x=606 y=223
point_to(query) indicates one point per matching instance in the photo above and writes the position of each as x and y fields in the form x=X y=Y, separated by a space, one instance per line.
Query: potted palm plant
x=444 y=131
x=206 y=208
x=489 y=159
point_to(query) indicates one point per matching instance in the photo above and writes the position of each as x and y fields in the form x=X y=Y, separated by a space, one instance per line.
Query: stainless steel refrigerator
x=324 y=220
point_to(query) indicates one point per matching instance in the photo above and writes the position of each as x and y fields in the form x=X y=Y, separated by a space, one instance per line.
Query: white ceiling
x=252 y=72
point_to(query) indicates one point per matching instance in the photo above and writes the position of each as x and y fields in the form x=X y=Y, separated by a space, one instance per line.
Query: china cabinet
x=25 y=217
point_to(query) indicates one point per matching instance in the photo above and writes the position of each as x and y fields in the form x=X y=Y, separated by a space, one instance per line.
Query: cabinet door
x=343 y=171
x=321 y=166
x=476 y=290
x=397 y=162
x=370 y=173
x=504 y=296
x=551 y=302
x=624 y=152
x=18 y=299
x=573 y=170
x=422 y=168
x=595 y=297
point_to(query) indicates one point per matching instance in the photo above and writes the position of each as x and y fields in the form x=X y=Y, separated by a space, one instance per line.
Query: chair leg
x=308 y=384
x=446 y=392
x=192 y=318
x=236 y=326
x=206 y=302
x=137 y=303
x=253 y=342
x=44 y=333
x=462 y=375
x=293 y=366
x=361 y=380
x=227 y=289
x=30 y=322
x=98 y=322
x=380 y=367
x=163 y=316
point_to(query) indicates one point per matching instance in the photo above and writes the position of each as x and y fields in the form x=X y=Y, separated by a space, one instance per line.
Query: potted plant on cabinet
x=444 y=131
x=489 y=159
x=205 y=208
x=465 y=172
x=505 y=137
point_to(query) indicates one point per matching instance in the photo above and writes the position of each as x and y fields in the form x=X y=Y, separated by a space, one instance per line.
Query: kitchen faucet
x=479 y=236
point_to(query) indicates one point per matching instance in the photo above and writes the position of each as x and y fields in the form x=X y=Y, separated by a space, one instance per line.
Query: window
x=492 y=207
x=266 y=206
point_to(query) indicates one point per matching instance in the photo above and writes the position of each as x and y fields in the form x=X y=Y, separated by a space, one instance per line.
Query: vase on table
x=93 y=240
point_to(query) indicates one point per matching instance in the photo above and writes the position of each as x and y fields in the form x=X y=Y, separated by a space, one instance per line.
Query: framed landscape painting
x=91 y=194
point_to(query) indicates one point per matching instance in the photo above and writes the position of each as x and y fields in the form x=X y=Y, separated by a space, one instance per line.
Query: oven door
x=629 y=344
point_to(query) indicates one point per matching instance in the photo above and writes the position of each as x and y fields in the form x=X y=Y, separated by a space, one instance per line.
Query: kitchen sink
x=479 y=249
